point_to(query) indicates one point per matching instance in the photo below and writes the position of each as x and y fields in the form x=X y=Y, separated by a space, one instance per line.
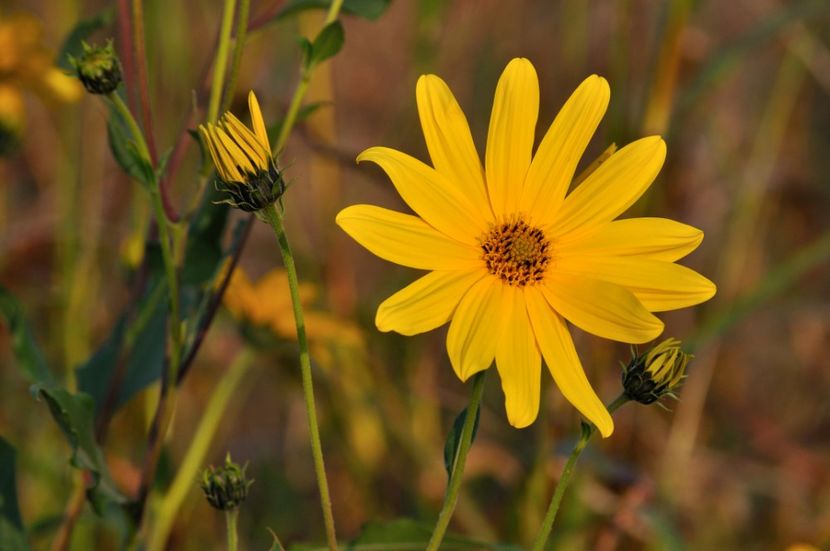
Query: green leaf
x=82 y=30
x=204 y=254
x=12 y=534
x=326 y=45
x=74 y=415
x=95 y=375
x=454 y=439
x=26 y=350
x=125 y=151
x=368 y=9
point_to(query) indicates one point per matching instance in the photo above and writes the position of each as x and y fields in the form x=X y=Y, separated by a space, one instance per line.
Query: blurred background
x=739 y=90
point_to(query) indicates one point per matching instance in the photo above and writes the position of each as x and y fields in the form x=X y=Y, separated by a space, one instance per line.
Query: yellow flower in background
x=266 y=303
x=512 y=254
x=26 y=64
x=243 y=160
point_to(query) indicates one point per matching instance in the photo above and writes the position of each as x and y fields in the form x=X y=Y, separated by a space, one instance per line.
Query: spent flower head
x=225 y=487
x=512 y=255
x=657 y=373
x=245 y=168
x=98 y=68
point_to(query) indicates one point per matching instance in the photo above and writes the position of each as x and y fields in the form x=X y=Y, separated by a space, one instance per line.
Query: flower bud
x=98 y=68
x=225 y=487
x=657 y=373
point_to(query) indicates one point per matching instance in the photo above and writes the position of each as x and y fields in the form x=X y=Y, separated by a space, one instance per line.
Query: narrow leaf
x=327 y=44
x=12 y=534
x=454 y=440
x=26 y=350
x=368 y=9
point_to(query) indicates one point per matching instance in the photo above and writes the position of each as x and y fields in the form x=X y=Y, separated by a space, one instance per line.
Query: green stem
x=302 y=87
x=587 y=431
x=274 y=219
x=451 y=497
x=221 y=61
x=238 y=49
x=230 y=520
x=197 y=451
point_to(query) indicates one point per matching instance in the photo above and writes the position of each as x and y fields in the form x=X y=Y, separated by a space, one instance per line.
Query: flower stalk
x=454 y=486
x=588 y=431
x=274 y=219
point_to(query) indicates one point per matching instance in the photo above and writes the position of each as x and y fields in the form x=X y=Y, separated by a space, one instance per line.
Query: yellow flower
x=243 y=160
x=512 y=255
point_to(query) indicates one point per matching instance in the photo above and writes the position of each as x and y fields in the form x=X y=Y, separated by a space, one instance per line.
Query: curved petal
x=511 y=134
x=429 y=194
x=563 y=362
x=554 y=163
x=518 y=361
x=405 y=239
x=658 y=285
x=426 y=303
x=601 y=308
x=613 y=187
x=475 y=328
x=450 y=142
x=654 y=238
x=258 y=123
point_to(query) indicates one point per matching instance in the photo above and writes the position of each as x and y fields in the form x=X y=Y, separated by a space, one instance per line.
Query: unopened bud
x=225 y=487
x=657 y=373
x=98 y=68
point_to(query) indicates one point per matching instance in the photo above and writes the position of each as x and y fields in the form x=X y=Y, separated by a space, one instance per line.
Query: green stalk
x=230 y=521
x=302 y=87
x=221 y=61
x=567 y=473
x=198 y=449
x=274 y=219
x=238 y=48
x=451 y=497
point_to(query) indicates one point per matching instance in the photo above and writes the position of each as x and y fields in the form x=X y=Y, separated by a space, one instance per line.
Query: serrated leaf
x=26 y=351
x=368 y=9
x=326 y=45
x=12 y=533
x=82 y=30
x=454 y=439
x=74 y=415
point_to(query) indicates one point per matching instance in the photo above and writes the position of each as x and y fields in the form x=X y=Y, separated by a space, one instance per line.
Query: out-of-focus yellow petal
x=449 y=141
x=427 y=303
x=658 y=285
x=58 y=86
x=654 y=238
x=257 y=122
x=511 y=135
x=563 y=362
x=475 y=328
x=429 y=194
x=611 y=188
x=405 y=239
x=554 y=164
x=518 y=361
x=601 y=308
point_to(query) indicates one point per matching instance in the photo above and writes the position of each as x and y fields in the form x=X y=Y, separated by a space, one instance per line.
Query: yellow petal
x=554 y=164
x=405 y=239
x=246 y=140
x=658 y=285
x=601 y=308
x=613 y=187
x=226 y=166
x=449 y=141
x=238 y=157
x=257 y=122
x=475 y=328
x=429 y=194
x=563 y=362
x=654 y=238
x=518 y=361
x=427 y=303
x=511 y=134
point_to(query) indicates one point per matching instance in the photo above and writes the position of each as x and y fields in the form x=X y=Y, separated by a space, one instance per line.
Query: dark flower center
x=516 y=253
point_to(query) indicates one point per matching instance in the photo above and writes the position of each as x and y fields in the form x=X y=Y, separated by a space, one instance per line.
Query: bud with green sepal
x=98 y=68
x=657 y=373
x=226 y=487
